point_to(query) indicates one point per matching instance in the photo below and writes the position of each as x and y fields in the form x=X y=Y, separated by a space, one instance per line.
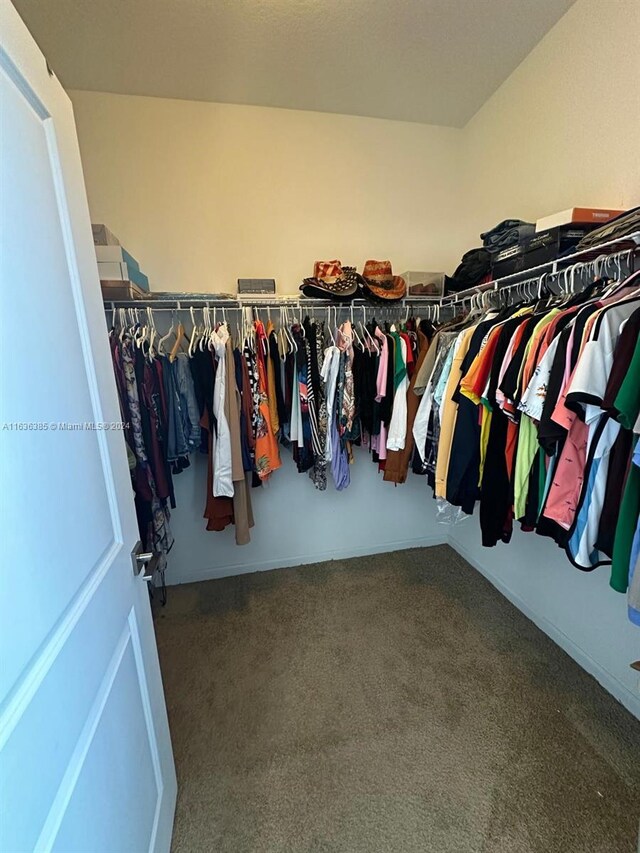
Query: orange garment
x=267 y=451
x=474 y=381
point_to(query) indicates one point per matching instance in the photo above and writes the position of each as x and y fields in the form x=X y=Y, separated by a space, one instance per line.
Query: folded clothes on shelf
x=509 y=232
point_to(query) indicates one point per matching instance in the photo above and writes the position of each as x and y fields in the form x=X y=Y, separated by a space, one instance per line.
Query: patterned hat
x=331 y=281
x=381 y=284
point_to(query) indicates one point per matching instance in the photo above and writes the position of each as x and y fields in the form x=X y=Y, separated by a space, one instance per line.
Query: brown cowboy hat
x=381 y=284
x=332 y=281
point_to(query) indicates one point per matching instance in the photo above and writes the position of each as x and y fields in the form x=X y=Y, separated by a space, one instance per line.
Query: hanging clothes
x=398 y=461
x=145 y=416
x=267 y=453
x=537 y=416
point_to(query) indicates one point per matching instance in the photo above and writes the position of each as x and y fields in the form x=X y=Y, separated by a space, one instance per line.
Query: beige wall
x=203 y=194
x=564 y=129
x=206 y=193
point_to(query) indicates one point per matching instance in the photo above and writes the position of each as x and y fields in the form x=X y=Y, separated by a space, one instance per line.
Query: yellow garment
x=485 y=426
x=528 y=431
x=449 y=413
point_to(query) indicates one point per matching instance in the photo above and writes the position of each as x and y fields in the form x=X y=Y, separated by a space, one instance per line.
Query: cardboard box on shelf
x=577 y=215
x=114 y=270
x=116 y=290
x=103 y=237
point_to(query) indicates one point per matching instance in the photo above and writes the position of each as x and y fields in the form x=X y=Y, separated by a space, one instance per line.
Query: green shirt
x=627 y=404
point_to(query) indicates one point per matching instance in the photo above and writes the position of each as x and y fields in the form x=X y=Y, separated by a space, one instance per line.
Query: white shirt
x=590 y=378
x=329 y=374
x=222 y=463
x=398 y=426
x=534 y=397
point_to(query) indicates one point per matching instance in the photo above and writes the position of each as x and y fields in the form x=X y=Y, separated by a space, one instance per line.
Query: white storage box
x=424 y=284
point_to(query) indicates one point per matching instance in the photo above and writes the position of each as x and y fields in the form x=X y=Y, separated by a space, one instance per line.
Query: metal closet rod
x=601 y=254
x=200 y=300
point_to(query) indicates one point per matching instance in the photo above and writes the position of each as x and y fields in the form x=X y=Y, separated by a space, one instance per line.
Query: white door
x=85 y=755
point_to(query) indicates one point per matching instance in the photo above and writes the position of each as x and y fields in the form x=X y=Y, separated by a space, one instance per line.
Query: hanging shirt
x=627 y=405
x=329 y=375
x=449 y=410
x=441 y=345
x=267 y=457
x=634 y=563
x=398 y=425
x=222 y=473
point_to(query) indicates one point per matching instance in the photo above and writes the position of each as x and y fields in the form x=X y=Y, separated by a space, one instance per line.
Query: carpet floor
x=387 y=704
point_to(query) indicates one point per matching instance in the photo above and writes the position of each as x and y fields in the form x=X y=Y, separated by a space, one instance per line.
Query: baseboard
x=611 y=684
x=190 y=575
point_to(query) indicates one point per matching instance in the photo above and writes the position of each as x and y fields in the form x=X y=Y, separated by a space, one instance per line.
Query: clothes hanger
x=180 y=333
x=329 y=327
x=281 y=338
x=194 y=333
x=262 y=336
x=141 y=333
x=113 y=319
x=166 y=337
x=367 y=334
x=206 y=328
x=290 y=335
x=133 y=320
x=213 y=333
x=123 y=324
x=354 y=331
x=151 y=334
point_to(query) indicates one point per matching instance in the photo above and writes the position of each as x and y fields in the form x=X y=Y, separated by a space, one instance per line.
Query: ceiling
x=433 y=61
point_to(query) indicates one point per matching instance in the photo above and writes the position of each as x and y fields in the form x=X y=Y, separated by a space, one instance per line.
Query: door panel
x=39 y=747
x=126 y=821
x=85 y=755
x=72 y=459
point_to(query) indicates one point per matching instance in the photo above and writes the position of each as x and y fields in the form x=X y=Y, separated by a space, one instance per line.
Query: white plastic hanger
x=194 y=333
x=290 y=337
x=152 y=333
x=354 y=331
x=123 y=324
x=206 y=328
x=366 y=333
x=160 y=348
x=329 y=326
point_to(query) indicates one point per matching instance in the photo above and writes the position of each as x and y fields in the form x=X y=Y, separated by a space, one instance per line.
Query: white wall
x=563 y=129
x=576 y=609
x=296 y=524
x=203 y=194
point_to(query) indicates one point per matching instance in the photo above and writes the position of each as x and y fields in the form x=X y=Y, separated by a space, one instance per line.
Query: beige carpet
x=387 y=703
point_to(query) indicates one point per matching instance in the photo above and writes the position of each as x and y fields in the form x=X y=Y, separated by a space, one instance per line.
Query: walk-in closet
x=320 y=426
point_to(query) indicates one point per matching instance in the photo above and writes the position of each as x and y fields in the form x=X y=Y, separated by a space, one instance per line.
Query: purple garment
x=339 y=460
